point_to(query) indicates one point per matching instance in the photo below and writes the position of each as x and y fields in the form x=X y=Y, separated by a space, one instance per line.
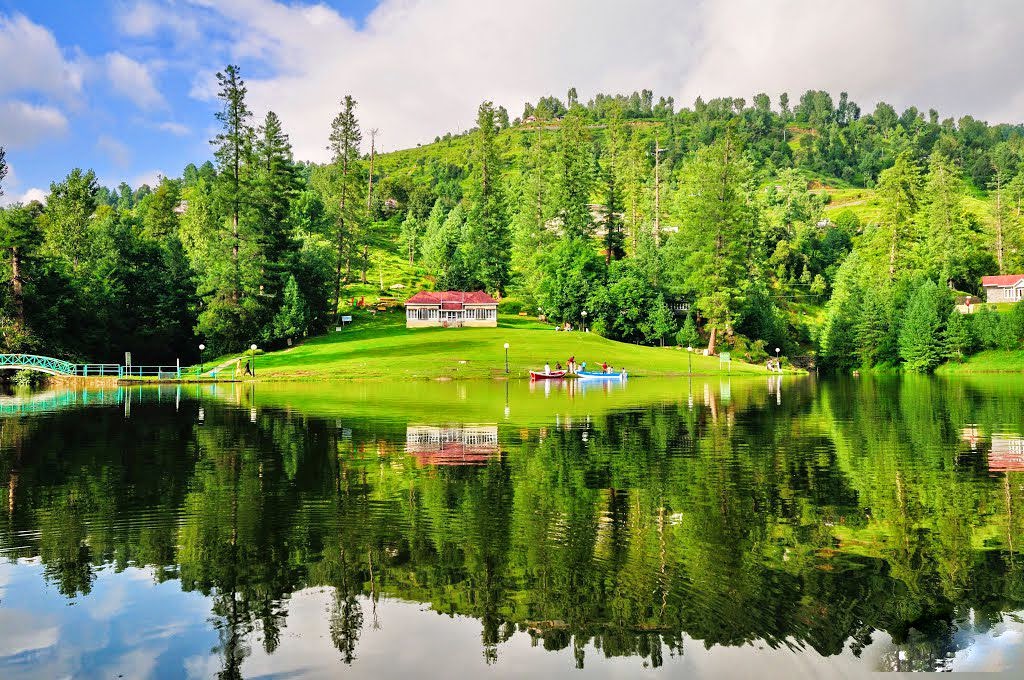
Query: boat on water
x=550 y=375
x=600 y=375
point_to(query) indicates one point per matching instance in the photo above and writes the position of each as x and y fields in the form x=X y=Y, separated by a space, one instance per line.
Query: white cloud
x=147 y=19
x=150 y=177
x=173 y=128
x=132 y=80
x=419 y=67
x=956 y=57
x=118 y=152
x=33 y=61
x=12 y=193
x=23 y=124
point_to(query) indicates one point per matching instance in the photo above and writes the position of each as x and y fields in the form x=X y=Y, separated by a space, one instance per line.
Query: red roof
x=450 y=297
x=1005 y=280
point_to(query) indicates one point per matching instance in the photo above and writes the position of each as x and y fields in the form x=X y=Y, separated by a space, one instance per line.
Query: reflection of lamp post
x=584 y=321
x=689 y=359
x=202 y=347
x=253 y=348
x=506 y=358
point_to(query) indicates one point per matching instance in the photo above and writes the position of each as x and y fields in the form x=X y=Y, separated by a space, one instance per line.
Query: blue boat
x=600 y=375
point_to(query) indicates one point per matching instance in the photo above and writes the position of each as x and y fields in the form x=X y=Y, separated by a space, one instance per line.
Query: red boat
x=553 y=375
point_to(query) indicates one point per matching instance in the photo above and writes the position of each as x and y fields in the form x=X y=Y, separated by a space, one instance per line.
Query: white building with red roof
x=451 y=309
x=1006 y=288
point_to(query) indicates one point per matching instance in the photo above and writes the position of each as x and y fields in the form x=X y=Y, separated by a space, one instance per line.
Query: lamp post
x=252 y=347
x=689 y=359
x=584 y=321
x=506 y=358
x=202 y=348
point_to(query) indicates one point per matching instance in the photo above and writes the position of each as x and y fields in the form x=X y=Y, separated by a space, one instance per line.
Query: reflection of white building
x=452 y=444
x=1006 y=453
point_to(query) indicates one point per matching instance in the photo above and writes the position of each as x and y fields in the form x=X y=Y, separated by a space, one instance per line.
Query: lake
x=708 y=527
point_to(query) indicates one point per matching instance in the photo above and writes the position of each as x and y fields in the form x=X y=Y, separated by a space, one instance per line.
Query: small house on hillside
x=1006 y=288
x=451 y=308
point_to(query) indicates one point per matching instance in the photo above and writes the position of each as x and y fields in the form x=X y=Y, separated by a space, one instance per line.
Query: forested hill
x=811 y=225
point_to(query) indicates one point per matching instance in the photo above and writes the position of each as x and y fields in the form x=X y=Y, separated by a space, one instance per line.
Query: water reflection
x=733 y=526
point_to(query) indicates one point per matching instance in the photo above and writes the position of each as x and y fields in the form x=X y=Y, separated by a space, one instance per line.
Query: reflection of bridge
x=56 y=400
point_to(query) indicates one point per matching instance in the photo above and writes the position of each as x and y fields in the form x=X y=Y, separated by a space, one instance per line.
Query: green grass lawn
x=989 y=361
x=381 y=347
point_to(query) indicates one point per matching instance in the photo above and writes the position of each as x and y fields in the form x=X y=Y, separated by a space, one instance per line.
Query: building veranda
x=451 y=309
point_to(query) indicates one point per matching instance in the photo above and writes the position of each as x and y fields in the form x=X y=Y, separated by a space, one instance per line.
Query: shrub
x=510 y=306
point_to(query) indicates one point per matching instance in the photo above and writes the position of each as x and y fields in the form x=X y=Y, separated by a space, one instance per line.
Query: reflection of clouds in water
x=999 y=649
x=127 y=626
x=133 y=627
x=24 y=635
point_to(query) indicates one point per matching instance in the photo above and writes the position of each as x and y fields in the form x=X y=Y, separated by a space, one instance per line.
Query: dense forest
x=810 y=225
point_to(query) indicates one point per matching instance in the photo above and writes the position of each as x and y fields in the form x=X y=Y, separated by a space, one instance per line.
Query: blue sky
x=126 y=87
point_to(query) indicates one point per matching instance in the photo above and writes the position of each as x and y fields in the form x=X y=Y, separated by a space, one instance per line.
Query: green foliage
x=921 y=329
x=687 y=336
x=293 y=318
x=573 y=282
x=958 y=337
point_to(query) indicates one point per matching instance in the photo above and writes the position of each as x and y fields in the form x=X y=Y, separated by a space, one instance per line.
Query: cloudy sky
x=126 y=86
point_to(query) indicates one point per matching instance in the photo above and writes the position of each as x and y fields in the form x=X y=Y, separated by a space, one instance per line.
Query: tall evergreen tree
x=575 y=175
x=958 y=338
x=898 y=189
x=3 y=169
x=69 y=208
x=872 y=327
x=920 y=338
x=711 y=253
x=20 y=237
x=488 y=237
x=947 y=233
x=232 y=147
x=344 y=146
x=614 y=239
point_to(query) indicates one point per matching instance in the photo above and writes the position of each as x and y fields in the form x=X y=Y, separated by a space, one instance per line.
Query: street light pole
x=689 y=360
x=253 y=348
x=202 y=348
x=584 y=321
x=506 y=358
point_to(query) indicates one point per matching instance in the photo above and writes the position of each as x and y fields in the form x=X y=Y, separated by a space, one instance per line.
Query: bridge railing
x=97 y=370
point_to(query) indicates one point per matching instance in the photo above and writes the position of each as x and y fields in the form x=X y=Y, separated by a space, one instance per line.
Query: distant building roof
x=1003 y=280
x=451 y=299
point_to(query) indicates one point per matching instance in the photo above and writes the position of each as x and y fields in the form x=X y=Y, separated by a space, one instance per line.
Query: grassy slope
x=989 y=361
x=384 y=348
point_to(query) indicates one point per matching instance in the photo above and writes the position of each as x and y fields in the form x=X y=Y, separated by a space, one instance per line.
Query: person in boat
x=605 y=367
x=583 y=367
x=571 y=364
x=558 y=365
x=547 y=368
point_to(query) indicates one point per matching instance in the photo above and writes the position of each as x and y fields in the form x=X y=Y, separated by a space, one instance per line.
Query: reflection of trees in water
x=808 y=524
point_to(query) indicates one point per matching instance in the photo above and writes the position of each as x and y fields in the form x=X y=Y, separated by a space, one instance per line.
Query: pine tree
x=943 y=220
x=488 y=240
x=710 y=256
x=232 y=146
x=613 y=239
x=344 y=146
x=575 y=175
x=688 y=335
x=898 y=189
x=411 y=235
x=958 y=338
x=20 y=236
x=3 y=169
x=292 y=319
x=872 y=328
x=920 y=337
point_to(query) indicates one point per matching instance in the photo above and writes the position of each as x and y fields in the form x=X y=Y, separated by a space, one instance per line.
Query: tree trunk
x=711 y=340
x=999 y=223
x=16 y=285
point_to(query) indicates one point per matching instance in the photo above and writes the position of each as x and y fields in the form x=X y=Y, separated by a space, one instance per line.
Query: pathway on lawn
x=221 y=367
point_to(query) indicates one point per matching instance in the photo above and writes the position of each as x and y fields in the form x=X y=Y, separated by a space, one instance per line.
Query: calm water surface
x=710 y=527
